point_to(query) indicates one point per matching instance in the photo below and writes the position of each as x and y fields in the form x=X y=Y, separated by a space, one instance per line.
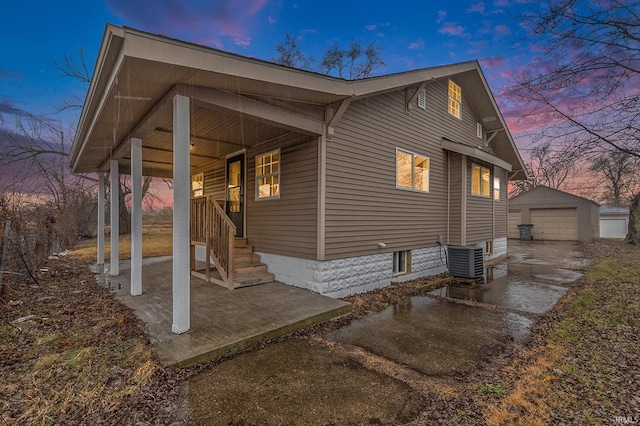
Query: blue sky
x=411 y=34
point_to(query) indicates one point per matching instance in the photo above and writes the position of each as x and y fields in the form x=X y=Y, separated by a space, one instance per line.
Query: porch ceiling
x=139 y=104
x=134 y=81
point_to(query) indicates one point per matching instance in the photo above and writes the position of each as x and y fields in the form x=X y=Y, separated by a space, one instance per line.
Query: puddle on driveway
x=437 y=337
x=525 y=296
x=433 y=336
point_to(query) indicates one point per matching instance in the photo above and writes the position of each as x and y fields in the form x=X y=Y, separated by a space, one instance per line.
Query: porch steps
x=247 y=268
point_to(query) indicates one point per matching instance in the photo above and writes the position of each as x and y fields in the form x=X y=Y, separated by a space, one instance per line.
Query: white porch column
x=114 y=182
x=100 y=260
x=181 y=206
x=136 y=216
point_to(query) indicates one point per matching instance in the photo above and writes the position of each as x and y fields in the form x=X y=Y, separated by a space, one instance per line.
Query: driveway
x=384 y=368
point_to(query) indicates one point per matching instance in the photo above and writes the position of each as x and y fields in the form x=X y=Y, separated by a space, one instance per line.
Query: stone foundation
x=344 y=277
x=499 y=249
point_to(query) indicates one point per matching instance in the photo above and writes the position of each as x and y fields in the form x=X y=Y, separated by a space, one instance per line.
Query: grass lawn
x=70 y=353
x=157 y=240
x=586 y=370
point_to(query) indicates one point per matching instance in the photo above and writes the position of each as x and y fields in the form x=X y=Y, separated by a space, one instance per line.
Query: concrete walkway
x=223 y=321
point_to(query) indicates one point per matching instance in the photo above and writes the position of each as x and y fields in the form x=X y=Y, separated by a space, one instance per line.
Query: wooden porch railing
x=212 y=227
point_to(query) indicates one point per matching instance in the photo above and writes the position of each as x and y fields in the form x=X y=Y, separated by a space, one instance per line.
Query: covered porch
x=223 y=322
x=163 y=108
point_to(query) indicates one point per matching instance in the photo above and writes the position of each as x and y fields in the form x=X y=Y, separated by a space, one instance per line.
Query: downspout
x=448 y=195
x=463 y=204
x=322 y=191
x=493 y=213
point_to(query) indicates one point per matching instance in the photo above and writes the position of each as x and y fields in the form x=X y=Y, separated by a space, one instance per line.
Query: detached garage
x=555 y=215
x=614 y=221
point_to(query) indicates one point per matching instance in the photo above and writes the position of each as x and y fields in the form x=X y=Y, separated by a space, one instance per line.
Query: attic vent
x=479 y=130
x=422 y=100
x=466 y=262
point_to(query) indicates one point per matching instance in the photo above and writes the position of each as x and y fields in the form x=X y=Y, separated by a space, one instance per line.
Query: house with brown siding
x=333 y=185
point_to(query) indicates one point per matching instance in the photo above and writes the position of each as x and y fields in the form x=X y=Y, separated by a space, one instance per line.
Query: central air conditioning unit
x=466 y=262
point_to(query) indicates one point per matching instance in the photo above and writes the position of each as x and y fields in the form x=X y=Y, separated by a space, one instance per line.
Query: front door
x=235 y=192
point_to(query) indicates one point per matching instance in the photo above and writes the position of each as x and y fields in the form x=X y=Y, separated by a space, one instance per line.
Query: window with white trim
x=401 y=260
x=496 y=188
x=197 y=185
x=455 y=100
x=480 y=180
x=412 y=171
x=268 y=175
x=479 y=130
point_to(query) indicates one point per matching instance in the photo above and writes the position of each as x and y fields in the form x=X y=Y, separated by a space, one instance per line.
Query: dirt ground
x=71 y=354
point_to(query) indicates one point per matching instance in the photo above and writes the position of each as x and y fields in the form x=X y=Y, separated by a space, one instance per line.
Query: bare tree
x=49 y=209
x=633 y=232
x=618 y=174
x=289 y=54
x=74 y=67
x=588 y=83
x=547 y=167
x=353 y=63
x=37 y=143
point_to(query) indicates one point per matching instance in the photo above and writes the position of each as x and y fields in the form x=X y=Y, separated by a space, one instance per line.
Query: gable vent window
x=479 y=130
x=422 y=99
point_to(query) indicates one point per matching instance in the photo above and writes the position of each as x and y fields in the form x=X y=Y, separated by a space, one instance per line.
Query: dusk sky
x=411 y=35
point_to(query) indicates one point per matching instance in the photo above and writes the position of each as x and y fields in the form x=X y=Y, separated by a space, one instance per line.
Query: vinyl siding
x=501 y=207
x=286 y=226
x=479 y=211
x=214 y=179
x=363 y=205
x=455 y=209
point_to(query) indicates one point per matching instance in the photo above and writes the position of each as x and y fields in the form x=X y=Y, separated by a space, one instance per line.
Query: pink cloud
x=416 y=45
x=441 y=15
x=492 y=62
x=477 y=7
x=501 y=31
x=452 y=29
x=508 y=74
x=195 y=20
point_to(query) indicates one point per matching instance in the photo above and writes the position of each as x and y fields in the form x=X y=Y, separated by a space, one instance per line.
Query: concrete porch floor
x=223 y=321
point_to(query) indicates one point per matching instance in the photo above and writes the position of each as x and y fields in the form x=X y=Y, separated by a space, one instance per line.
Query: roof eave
x=106 y=51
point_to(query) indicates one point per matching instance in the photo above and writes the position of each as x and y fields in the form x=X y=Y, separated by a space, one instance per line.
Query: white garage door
x=613 y=228
x=554 y=224
x=515 y=219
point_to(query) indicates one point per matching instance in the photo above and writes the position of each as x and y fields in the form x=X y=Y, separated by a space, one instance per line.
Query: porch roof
x=236 y=101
